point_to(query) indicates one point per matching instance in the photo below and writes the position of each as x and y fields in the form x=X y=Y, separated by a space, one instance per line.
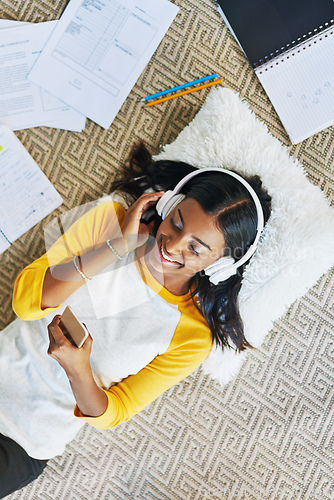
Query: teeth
x=165 y=256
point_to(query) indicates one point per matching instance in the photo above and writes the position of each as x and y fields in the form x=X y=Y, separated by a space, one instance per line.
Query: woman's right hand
x=135 y=232
x=63 y=279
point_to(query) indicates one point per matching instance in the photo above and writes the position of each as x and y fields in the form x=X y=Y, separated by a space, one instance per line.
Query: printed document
x=27 y=196
x=98 y=50
x=22 y=103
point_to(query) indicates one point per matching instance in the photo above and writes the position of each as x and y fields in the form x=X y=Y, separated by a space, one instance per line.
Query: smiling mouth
x=166 y=257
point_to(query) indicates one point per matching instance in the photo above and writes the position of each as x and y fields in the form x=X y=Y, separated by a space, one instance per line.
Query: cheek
x=216 y=254
x=196 y=264
x=162 y=229
x=201 y=262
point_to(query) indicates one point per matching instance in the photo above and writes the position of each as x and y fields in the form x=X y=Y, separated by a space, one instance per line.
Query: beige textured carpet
x=270 y=433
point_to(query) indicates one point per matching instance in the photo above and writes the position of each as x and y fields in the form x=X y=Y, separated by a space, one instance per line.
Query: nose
x=174 y=244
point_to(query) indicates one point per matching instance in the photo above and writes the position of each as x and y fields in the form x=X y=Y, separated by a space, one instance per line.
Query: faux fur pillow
x=297 y=246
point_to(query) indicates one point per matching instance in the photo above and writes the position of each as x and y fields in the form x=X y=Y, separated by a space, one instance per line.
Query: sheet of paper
x=11 y=23
x=27 y=196
x=300 y=84
x=22 y=103
x=98 y=50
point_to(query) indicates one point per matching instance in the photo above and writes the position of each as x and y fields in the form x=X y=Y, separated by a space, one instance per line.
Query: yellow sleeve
x=87 y=233
x=190 y=345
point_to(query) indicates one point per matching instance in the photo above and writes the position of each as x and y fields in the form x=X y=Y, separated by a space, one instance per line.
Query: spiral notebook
x=291 y=48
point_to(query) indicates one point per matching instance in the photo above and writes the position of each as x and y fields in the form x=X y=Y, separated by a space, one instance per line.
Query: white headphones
x=225 y=267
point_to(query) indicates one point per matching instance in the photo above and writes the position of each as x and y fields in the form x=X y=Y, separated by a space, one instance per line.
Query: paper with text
x=22 y=103
x=27 y=196
x=98 y=50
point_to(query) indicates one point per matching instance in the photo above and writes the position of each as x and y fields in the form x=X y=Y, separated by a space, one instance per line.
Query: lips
x=164 y=256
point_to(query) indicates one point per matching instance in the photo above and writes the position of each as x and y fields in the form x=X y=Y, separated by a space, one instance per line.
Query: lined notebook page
x=300 y=85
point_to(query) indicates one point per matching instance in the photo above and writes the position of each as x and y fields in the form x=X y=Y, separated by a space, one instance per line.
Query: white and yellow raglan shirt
x=145 y=340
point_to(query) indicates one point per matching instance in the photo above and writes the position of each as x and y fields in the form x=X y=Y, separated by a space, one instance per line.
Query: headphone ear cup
x=221 y=270
x=166 y=205
x=160 y=206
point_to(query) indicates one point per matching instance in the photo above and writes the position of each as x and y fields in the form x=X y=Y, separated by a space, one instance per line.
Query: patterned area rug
x=268 y=434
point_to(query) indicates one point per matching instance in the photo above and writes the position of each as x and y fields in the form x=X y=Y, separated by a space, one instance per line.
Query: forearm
x=62 y=280
x=91 y=400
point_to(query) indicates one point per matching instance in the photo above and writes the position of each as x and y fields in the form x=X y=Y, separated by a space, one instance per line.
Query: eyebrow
x=195 y=237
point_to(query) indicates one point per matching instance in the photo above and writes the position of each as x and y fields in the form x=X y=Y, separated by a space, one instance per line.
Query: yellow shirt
x=190 y=343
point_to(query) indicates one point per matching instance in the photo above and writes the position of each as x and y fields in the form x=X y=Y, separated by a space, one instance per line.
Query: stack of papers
x=23 y=104
x=84 y=65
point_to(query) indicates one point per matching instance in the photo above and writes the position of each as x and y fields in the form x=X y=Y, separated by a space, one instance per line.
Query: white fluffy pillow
x=297 y=246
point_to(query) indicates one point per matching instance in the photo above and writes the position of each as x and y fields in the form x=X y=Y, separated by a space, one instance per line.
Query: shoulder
x=106 y=210
x=192 y=337
x=98 y=222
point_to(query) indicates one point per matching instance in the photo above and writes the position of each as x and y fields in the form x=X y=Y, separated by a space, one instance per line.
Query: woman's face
x=187 y=241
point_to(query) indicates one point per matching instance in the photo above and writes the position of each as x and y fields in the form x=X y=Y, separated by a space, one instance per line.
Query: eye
x=192 y=249
x=176 y=226
x=179 y=228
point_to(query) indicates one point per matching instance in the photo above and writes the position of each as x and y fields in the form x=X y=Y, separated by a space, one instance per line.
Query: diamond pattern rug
x=269 y=433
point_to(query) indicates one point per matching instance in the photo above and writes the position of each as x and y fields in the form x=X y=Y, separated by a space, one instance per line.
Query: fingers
x=152 y=195
x=132 y=225
x=53 y=327
x=145 y=201
x=54 y=330
x=87 y=345
x=56 y=336
x=89 y=340
x=73 y=360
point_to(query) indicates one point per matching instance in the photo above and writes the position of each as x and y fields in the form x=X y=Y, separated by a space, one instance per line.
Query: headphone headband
x=255 y=198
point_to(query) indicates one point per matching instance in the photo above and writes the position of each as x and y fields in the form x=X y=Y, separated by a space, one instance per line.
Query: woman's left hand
x=72 y=359
x=91 y=399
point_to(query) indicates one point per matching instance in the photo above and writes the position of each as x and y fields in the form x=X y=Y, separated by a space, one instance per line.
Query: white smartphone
x=72 y=328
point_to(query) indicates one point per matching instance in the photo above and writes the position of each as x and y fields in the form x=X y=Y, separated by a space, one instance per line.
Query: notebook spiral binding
x=296 y=43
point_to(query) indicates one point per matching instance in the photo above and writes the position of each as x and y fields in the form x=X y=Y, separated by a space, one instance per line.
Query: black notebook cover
x=264 y=27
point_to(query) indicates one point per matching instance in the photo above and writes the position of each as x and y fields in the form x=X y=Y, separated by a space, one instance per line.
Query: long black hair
x=235 y=215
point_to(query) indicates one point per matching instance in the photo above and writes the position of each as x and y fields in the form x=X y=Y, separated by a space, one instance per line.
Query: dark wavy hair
x=234 y=211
